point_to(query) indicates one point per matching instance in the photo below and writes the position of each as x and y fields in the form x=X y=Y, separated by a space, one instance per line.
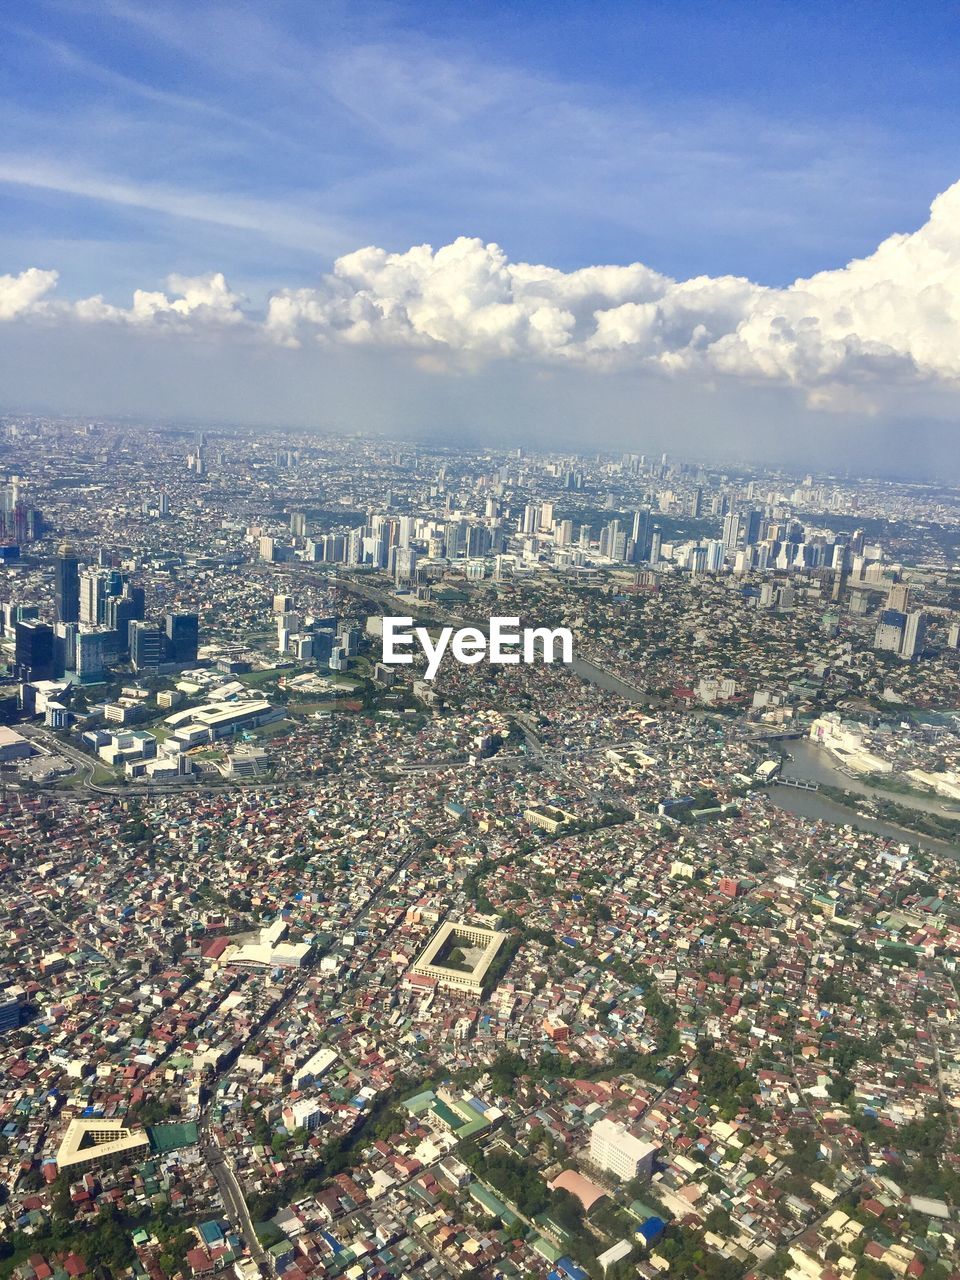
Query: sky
x=733 y=227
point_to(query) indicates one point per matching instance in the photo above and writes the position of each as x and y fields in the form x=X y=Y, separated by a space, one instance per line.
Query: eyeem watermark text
x=505 y=643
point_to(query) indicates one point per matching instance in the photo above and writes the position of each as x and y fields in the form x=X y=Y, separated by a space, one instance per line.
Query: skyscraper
x=34 y=653
x=914 y=635
x=146 y=645
x=639 y=534
x=752 y=527
x=182 y=633
x=731 y=529
x=93 y=595
x=67 y=585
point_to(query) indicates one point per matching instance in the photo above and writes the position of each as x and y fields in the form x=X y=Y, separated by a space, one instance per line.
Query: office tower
x=890 y=629
x=65 y=643
x=147 y=643
x=953 y=635
x=406 y=528
x=182 y=633
x=731 y=530
x=914 y=635
x=714 y=561
x=546 y=516
x=298 y=524
x=267 y=549
x=856 y=542
x=163 y=505
x=753 y=527
x=35 y=652
x=530 y=521
x=120 y=611
x=564 y=533
x=67 y=585
x=93 y=651
x=696 y=504
x=638 y=535
x=282 y=603
x=94 y=585
x=656 y=541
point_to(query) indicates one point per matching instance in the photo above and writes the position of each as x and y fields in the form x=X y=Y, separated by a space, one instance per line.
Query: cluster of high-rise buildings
x=100 y=620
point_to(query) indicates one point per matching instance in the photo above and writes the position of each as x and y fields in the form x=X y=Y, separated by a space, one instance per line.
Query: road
x=231 y=1193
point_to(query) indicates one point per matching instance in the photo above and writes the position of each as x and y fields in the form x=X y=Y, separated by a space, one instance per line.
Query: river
x=814 y=763
x=613 y=684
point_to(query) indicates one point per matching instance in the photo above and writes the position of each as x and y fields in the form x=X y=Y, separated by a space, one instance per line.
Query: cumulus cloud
x=23 y=294
x=196 y=300
x=893 y=315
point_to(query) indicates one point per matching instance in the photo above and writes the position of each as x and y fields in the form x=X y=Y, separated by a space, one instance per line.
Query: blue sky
x=143 y=140
x=263 y=139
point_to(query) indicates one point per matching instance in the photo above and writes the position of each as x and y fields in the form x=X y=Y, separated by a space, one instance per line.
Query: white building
x=614 y=1150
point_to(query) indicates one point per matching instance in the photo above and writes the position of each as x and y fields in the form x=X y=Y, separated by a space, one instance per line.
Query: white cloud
x=894 y=315
x=23 y=294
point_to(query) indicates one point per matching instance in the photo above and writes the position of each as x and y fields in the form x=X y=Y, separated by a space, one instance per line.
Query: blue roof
x=567 y=1267
x=651 y=1229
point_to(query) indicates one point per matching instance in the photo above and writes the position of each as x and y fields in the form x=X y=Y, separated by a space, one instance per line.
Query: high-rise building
x=731 y=529
x=35 y=651
x=714 y=556
x=96 y=586
x=120 y=611
x=638 y=534
x=67 y=585
x=752 y=527
x=94 y=649
x=147 y=646
x=182 y=633
x=914 y=635
x=898 y=597
x=890 y=629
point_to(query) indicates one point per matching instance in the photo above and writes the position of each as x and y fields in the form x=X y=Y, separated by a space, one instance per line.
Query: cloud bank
x=891 y=316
